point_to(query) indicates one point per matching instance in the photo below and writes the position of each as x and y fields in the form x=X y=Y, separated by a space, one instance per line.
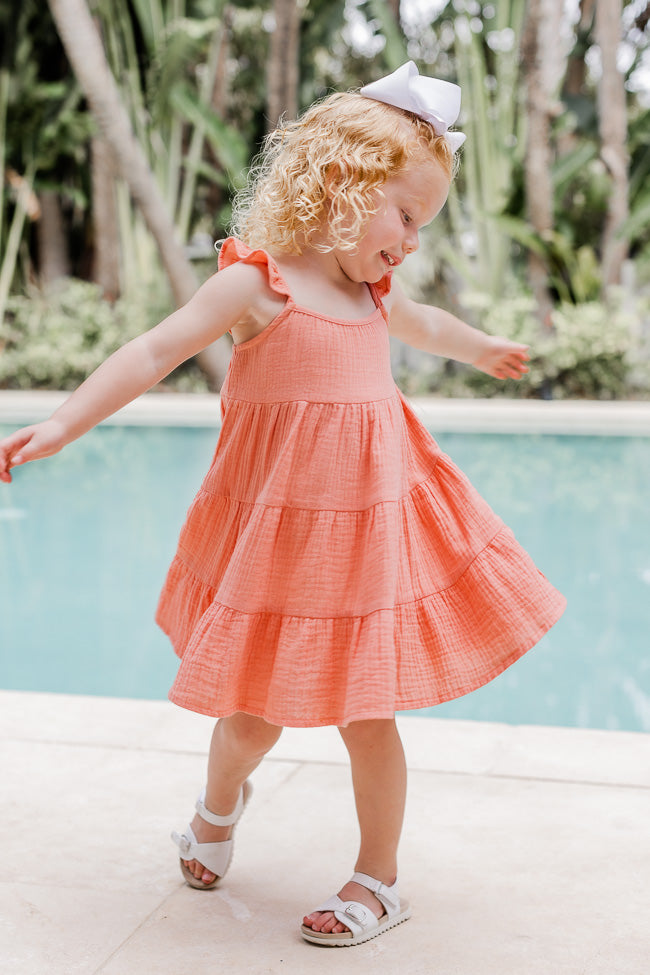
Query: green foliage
x=478 y=43
x=45 y=122
x=574 y=272
x=226 y=143
x=55 y=339
x=636 y=228
x=487 y=59
x=44 y=131
x=167 y=56
x=382 y=17
x=592 y=350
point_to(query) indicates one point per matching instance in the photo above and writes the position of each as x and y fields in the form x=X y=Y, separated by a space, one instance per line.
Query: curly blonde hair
x=330 y=163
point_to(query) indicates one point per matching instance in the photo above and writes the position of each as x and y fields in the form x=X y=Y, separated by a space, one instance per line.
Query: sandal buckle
x=184 y=844
x=356 y=912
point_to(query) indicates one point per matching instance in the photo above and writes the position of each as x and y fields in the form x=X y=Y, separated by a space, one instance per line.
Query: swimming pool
x=86 y=536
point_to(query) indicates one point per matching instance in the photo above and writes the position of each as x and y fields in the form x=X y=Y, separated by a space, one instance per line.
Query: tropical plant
x=522 y=203
x=478 y=45
x=44 y=133
x=593 y=349
x=55 y=340
x=86 y=54
x=173 y=56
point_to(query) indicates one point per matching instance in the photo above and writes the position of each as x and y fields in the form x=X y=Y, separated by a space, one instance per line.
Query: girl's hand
x=30 y=443
x=503 y=359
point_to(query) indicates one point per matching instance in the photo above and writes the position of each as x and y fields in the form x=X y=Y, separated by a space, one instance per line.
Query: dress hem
x=381 y=713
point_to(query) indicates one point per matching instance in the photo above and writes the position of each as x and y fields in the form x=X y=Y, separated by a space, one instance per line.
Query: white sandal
x=361 y=921
x=215 y=857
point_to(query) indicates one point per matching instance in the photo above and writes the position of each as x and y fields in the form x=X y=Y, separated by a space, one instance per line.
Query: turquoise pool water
x=86 y=536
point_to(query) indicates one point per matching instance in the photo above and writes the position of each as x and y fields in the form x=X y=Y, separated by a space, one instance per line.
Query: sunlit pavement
x=525 y=850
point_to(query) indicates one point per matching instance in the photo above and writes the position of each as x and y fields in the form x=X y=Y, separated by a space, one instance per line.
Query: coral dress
x=335 y=564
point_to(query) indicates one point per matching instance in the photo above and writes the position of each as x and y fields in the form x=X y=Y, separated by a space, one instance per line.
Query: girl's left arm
x=441 y=333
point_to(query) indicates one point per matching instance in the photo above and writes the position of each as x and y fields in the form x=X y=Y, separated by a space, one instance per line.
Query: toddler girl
x=335 y=566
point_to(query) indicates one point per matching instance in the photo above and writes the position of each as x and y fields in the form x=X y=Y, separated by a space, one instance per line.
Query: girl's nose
x=412 y=242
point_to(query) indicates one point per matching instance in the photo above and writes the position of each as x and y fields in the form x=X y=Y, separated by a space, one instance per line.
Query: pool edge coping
x=569 y=417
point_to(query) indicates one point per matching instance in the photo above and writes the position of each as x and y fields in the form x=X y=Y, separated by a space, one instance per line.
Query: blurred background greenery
x=126 y=126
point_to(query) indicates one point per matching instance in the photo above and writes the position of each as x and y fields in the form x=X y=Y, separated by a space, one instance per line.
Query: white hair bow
x=437 y=102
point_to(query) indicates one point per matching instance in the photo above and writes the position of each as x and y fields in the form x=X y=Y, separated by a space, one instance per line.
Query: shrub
x=593 y=350
x=55 y=339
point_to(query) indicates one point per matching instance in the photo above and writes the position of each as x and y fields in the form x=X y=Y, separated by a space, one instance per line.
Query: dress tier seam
x=335 y=511
x=503 y=529
x=308 y=402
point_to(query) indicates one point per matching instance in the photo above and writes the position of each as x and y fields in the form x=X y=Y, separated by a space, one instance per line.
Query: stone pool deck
x=526 y=850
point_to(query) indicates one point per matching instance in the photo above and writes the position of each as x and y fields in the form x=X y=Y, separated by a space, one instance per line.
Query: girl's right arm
x=226 y=299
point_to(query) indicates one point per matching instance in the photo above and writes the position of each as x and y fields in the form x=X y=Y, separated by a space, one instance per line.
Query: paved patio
x=526 y=851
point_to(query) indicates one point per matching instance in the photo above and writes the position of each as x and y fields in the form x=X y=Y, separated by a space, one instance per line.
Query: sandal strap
x=388 y=896
x=214 y=856
x=215 y=820
x=355 y=916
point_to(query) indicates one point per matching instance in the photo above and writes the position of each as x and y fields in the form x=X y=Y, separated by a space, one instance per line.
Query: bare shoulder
x=241 y=282
x=388 y=299
x=251 y=302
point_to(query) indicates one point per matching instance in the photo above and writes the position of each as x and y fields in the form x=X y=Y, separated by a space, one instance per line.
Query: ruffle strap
x=379 y=291
x=382 y=287
x=234 y=251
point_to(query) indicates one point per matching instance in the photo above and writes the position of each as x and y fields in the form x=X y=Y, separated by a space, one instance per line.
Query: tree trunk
x=53 y=258
x=219 y=102
x=282 y=70
x=575 y=77
x=612 y=125
x=577 y=67
x=106 y=238
x=393 y=6
x=84 y=50
x=541 y=72
x=219 y=98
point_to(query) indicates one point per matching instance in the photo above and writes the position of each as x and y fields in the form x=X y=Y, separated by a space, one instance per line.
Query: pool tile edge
x=572 y=417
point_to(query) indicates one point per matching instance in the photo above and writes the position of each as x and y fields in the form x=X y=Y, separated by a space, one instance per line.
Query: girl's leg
x=379 y=781
x=239 y=743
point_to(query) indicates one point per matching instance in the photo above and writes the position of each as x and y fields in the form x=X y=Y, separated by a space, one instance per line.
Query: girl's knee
x=254 y=735
x=368 y=734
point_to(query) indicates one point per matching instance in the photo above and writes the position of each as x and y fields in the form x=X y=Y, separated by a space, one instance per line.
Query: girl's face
x=407 y=203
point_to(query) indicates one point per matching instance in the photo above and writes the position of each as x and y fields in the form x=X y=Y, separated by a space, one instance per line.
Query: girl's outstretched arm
x=226 y=299
x=441 y=333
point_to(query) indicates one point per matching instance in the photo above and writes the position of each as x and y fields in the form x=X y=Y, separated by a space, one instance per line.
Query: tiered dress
x=335 y=564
